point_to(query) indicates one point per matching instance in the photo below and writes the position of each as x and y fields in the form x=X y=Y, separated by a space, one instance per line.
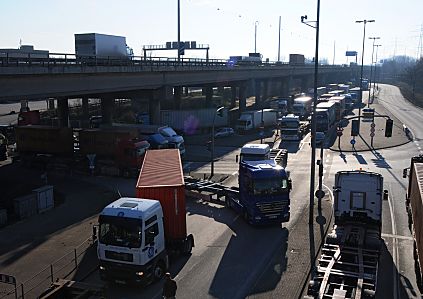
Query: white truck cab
x=131 y=244
x=255 y=152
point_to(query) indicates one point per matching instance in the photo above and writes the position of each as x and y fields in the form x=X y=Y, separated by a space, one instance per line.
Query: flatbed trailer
x=348 y=265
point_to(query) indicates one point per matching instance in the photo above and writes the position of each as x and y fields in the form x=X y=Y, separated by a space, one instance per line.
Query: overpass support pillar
x=107 y=107
x=154 y=106
x=50 y=104
x=257 y=91
x=242 y=98
x=233 y=96
x=209 y=96
x=265 y=90
x=85 y=113
x=177 y=94
x=63 y=112
x=306 y=83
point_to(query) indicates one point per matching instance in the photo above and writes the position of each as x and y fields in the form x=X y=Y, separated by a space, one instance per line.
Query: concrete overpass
x=68 y=78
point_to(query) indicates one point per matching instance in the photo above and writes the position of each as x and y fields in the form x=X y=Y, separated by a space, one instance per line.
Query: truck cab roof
x=258 y=149
x=264 y=168
x=133 y=208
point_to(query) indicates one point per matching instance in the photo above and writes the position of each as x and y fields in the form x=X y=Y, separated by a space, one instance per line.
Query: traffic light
x=355 y=127
x=388 y=127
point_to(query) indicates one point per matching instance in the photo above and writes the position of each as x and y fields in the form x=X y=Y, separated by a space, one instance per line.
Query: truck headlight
x=139 y=273
x=102 y=268
x=257 y=217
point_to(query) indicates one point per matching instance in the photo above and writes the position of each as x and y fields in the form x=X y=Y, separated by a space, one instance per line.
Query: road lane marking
x=394 y=249
x=408 y=238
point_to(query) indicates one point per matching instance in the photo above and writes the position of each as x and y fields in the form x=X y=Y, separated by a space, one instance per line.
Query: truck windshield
x=168 y=132
x=270 y=186
x=120 y=231
x=289 y=124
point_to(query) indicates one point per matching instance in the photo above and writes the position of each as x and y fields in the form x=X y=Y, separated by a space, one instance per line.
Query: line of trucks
x=114 y=150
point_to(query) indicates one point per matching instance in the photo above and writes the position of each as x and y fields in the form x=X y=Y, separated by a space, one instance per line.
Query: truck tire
x=159 y=271
x=188 y=246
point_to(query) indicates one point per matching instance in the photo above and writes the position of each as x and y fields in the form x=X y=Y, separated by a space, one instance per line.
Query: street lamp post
x=179 y=31
x=212 y=144
x=371 y=68
x=362 y=64
x=374 y=76
x=313 y=116
x=255 y=36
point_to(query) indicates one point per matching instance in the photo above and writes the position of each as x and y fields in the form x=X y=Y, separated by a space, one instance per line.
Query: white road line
x=419 y=148
x=398 y=237
x=394 y=249
x=234 y=173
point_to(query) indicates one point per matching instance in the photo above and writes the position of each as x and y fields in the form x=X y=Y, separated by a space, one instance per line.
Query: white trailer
x=100 y=45
x=252 y=120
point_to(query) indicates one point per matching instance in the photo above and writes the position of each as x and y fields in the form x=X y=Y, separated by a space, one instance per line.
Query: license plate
x=120 y=281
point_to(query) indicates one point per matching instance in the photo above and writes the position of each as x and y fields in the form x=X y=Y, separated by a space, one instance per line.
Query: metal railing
x=41 y=281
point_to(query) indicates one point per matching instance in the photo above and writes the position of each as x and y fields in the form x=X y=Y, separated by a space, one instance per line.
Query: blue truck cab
x=264 y=189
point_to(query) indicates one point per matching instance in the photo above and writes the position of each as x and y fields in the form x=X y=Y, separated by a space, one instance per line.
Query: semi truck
x=339 y=106
x=348 y=266
x=414 y=207
x=137 y=235
x=263 y=193
x=96 y=45
x=290 y=127
x=253 y=120
x=280 y=105
x=302 y=106
x=325 y=116
x=106 y=152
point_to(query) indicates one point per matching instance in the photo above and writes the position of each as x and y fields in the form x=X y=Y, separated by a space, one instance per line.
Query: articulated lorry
x=263 y=193
x=414 y=205
x=100 y=150
x=253 y=120
x=137 y=235
x=348 y=265
x=291 y=128
x=302 y=106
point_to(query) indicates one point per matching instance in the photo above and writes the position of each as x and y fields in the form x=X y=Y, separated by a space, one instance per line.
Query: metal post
x=179 y=30
x=371 y=68
x=262 y=126
x=279 y=43
x=212 y=145
x=320 y=177
x=75 y=257
x=51 y=273
x=255 y=36
x=374 y=81
x=22 y=291
x=362 y=64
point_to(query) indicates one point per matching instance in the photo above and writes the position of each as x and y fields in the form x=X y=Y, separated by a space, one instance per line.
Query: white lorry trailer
x=348 y=265
x=253 y=120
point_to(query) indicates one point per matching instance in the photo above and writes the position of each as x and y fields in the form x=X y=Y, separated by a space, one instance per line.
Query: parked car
x=223 y=132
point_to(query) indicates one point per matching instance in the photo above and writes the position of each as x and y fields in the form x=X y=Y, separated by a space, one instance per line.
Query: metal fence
x=39 y=282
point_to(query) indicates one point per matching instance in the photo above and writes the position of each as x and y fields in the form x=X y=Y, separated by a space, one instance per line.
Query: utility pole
x=279 y=43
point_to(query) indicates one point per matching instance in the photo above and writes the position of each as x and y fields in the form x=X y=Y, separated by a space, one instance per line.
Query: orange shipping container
x=161 y=178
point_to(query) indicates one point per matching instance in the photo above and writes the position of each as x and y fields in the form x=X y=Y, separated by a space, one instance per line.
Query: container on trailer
x=45 y=198
x=161 y=178
x=44 y=139
x=25 y=206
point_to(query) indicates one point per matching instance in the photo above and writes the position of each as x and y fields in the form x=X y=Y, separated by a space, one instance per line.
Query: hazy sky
x=227 y=26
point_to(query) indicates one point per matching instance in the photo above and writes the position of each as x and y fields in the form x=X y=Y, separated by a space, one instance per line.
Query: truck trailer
x=348 y=265
x=96 y=45
x=414 y=205
x=302 y=106
x=253 y=120
x=137 y=235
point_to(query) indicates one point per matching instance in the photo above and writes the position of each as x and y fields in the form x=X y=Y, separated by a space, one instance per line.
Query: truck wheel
x=159 y=271
x=188 y=246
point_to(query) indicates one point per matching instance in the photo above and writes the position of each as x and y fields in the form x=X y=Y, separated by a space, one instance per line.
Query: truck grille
x=119 y=256
x=271 y=207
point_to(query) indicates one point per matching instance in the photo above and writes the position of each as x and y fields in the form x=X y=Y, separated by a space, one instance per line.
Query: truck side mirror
x=289 y=184
x=236 y=158
x=404 y=173
x=95 y=230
